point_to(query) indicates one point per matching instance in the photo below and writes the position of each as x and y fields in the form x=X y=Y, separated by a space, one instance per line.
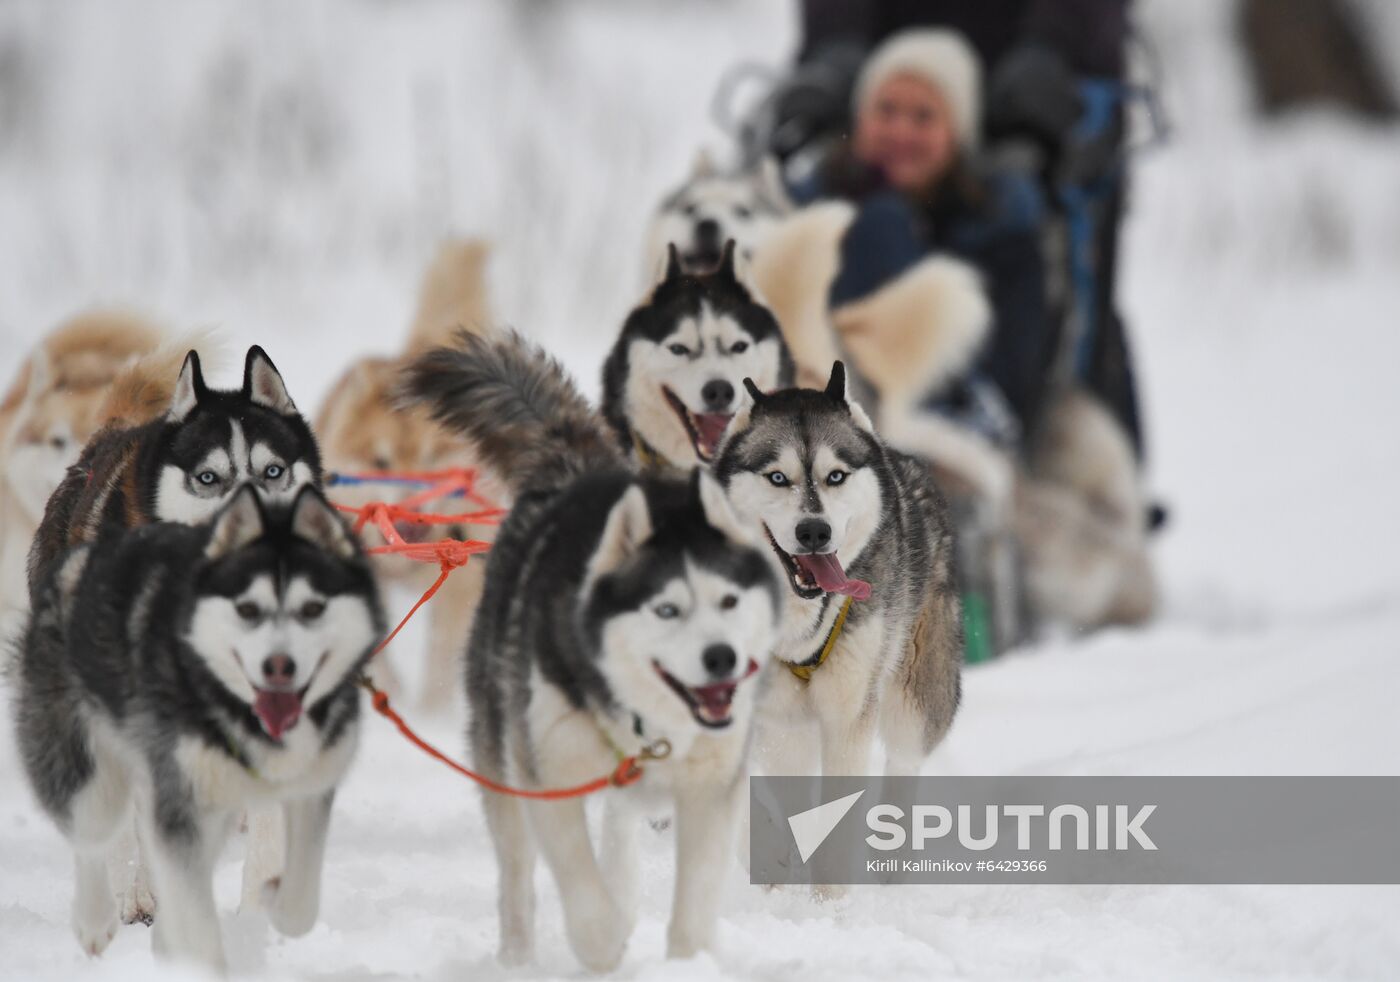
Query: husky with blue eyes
x=185 y=464
x=872 y=636
x=620 y=613
x=186 y=673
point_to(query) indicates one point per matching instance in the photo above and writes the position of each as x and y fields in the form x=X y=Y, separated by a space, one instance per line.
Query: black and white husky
x=193 y=671
x=873 y=630
x=183 y=466
x=674 y=378
x=619 y=611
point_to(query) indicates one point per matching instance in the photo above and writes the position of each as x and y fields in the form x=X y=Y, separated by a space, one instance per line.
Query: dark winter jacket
x=992 y=221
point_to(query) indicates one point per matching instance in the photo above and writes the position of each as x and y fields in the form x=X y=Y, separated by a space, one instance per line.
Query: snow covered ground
x=283 y=172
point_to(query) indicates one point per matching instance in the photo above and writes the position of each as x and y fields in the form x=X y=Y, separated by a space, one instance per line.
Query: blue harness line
x=336 y=479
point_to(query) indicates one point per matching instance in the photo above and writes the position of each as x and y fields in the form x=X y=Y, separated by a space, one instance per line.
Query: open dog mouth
x=278 y=710
x=709 y=704
x=704 y=429
x=813 y=574
x=415 y=532
x=702 y=259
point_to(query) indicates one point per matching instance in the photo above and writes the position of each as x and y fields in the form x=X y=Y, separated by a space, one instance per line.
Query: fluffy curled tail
x=453 y=295
x=519 y=407
x=143 y=389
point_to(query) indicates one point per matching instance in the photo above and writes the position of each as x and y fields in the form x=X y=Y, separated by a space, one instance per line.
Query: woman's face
x=906 y=130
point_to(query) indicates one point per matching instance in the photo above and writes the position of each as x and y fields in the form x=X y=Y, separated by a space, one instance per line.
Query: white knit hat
x=942 y=58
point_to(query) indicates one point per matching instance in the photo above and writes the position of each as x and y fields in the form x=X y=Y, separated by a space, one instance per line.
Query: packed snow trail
x=285 y=172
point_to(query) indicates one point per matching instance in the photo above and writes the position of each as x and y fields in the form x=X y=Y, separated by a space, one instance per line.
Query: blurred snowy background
x=283 y=171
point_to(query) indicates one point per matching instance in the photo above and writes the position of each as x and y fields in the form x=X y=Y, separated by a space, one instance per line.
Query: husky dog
x=182 y=466
x=191 y=671
x=57 y=401
x=712 y=207
x=360 y=428
x=620 y=611
x=673 y=380
x=873 y=629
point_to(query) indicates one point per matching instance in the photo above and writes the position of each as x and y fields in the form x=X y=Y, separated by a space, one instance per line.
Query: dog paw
x=291 y=913
x=137 y=904
x=95 y=925
x=515 y=953
x=599 y=936
x=686 y=940
x=828 y=892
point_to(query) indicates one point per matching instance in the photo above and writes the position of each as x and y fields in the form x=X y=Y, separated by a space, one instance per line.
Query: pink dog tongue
x=827 y=571
x=278 y=711
x=710 y=427
x=715 y=698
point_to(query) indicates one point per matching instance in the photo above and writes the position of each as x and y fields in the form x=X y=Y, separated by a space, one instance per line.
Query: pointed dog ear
x=836 y=385
x=772 y=186
x=673 y=263
x=755 y=393
x=628 y=526
x=725 y=270
x=703 y=166
x=316 y=522
x=263 y=385
x=239 y=523
x=189 y=389
x=719 y=513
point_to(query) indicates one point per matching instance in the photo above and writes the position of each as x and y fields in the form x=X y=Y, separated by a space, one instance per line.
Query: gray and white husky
x=712 y=207
x=674 y=377
x=873 y=628
x=192 y=672
x=620 y=612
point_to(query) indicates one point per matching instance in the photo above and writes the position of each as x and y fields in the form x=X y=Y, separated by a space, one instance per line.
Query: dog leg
x=596 y=928
x=515 y=857
x=182 y=865
x=846 y=747
x=452 y=615
x=294 y=899
x=620 y=857
x=265 y=855
x=705 y=820
x=126 y=864
x=96 y=816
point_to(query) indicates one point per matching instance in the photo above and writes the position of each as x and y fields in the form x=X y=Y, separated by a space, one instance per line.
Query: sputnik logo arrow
x=810 y=828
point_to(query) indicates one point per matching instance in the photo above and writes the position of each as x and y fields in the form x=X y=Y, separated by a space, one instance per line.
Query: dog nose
x=279 y=669
x=707 y=232
x=718 y=395
x=813 y=534
x=719 y=660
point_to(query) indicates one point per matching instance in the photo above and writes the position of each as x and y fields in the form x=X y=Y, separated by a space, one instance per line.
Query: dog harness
x=804 y=670
x=647 y=457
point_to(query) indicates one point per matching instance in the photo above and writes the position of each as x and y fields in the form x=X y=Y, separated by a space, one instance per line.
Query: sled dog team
x=198 y=611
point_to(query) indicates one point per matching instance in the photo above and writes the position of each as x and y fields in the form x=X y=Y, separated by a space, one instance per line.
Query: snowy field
x=283 y=171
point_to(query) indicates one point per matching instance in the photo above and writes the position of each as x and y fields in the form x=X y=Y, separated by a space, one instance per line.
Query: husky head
x=213 y=441
x=803 y=467
x=361 y=427
x=680 y=603
x=713 y=207
x=50 y=423
x=674 y=379
x=285 y=606
x=54 y=410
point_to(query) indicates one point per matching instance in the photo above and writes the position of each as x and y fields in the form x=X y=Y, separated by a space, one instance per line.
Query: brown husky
x=361 y=428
